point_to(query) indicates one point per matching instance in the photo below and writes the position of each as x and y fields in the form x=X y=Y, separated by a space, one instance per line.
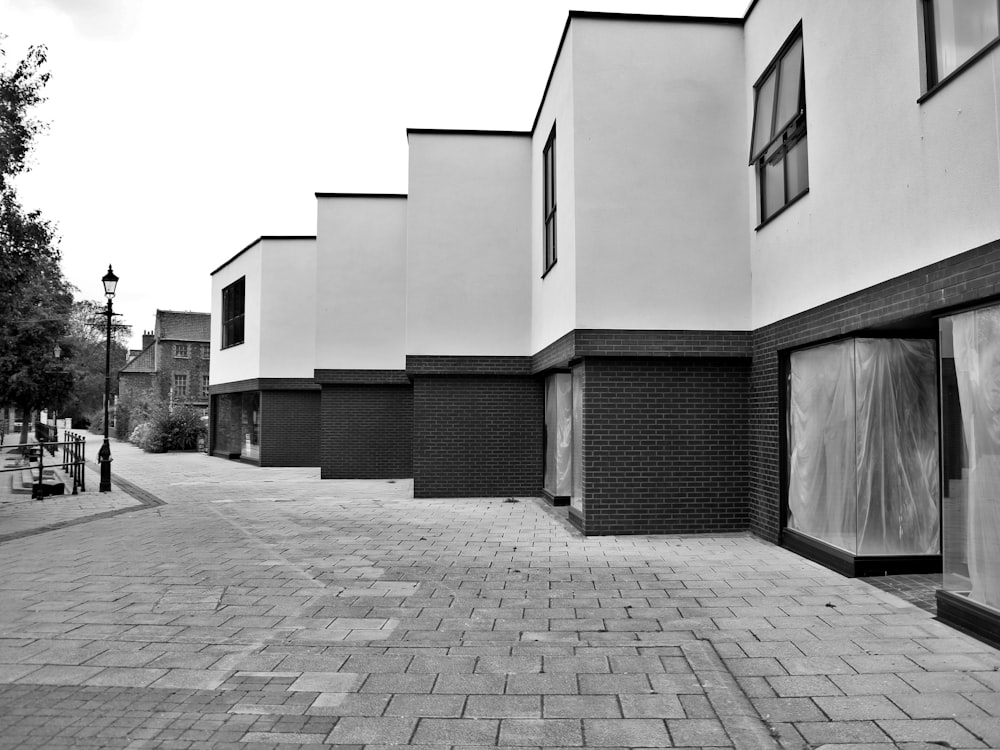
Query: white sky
x=182 y=130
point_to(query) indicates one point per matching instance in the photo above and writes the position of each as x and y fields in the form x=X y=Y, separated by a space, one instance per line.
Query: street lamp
x=110 y=282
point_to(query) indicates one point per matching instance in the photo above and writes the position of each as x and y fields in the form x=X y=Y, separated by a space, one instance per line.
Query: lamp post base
x=104 y=459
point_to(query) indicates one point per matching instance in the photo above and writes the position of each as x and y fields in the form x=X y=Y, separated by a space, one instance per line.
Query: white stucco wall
x=468 y=268
x=659 y=157
x=894 y=185
x=242 y=361
x=361 y=282
x=287 y=305
x=553 y=299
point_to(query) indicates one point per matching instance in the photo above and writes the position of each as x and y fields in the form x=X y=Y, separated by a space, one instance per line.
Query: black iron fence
x=38 y=459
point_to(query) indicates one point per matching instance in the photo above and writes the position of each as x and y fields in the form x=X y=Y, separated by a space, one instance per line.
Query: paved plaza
x=222 y=605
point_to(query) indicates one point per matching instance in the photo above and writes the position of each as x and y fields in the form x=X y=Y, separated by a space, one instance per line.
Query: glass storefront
x=236 y=425
x=863 y=446
x=558 y=478
x=970 y=406
x=576 y=499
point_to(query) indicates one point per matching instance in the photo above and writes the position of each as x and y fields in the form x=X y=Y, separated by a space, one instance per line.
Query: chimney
x=147 y=338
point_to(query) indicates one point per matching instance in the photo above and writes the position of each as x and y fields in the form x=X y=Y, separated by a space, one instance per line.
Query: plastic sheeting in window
x=972 y=504
x=558 y=479
x=863 y=446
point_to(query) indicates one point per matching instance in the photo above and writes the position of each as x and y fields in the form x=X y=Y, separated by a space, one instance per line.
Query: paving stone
x=367 y=731
x=456 y=731
x=938 y=731
x=503 y=707
x=858 y=707
x=540 y=733
x=416 y=706
x=626 y=732
x=582 y=706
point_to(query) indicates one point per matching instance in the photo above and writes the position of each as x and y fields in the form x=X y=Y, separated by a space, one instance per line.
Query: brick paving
x=265 y=608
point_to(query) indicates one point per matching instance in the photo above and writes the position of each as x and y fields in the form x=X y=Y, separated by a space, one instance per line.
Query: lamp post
x=110 y=282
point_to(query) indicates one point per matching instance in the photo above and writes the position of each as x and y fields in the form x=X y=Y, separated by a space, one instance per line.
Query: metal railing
x=32 y=458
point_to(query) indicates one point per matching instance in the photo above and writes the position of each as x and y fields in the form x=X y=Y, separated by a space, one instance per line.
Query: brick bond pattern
x=366 y=430
x=289 y=428
x=665 y=445
x=256 y=609
x=477 y=435
x=963 y=280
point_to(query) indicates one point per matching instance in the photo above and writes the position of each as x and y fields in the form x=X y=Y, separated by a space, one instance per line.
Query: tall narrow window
x=778 y=139
x=232 y=313
x=180 y=351
x=549 y=200
x=180 y=384
x=956 y=30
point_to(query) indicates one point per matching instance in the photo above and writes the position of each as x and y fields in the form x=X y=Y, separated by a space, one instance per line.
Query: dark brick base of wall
x=477 y=435
x=366 y=431
x=906 y=303
x=289 y=428
x=665 y=445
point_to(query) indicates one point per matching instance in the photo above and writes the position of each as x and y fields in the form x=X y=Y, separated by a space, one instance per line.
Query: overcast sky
x=182 y=130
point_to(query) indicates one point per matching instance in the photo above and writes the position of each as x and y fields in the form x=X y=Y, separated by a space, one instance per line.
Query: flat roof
x=261 y=239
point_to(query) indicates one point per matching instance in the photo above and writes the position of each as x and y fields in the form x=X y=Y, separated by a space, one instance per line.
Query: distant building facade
x=173 y=364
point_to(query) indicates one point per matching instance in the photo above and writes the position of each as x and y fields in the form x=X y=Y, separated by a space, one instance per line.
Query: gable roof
x=144 y=362
x=183 y=326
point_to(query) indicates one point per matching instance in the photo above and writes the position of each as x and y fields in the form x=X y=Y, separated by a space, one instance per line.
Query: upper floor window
x=956 y=30
x=778 y=139
x=549 y=199
x=181 y=351
x=232 y=312
x=204 y=385
x=205 y=351
x=180 y=384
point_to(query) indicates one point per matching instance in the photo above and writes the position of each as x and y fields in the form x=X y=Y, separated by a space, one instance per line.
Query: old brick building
x=174 y=362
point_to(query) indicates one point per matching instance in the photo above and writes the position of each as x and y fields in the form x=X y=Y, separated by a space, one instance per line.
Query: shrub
x=180 y=428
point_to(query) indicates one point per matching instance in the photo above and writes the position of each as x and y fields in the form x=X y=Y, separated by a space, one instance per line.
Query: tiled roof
x=144 y=362
x=183 y=326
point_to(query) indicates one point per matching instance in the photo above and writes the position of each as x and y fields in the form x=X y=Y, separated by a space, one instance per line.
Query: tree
x=35 y=298
x=85 y=347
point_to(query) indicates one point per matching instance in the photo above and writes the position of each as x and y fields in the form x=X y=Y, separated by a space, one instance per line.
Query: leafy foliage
x=35 y=298
x=148 y=422
x=85 y=347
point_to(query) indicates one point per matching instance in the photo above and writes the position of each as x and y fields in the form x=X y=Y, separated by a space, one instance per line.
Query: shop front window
x=558 y=479
x=970 y=404
x=863 y=446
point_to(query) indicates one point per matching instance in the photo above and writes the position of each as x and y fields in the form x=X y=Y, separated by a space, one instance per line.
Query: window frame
x=206 y=351
x=181 y=351
x=932 y=80
x=781 y=140
x=180 y=379
x=233 y=313
x=549 y=239
x=204 y=384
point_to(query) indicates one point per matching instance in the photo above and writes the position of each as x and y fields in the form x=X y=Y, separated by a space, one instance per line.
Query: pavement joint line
x=146 y=500
x=743 y=723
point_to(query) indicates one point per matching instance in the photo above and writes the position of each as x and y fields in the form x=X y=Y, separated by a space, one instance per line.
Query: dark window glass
x=778 y=142
x=232 y=313
x=957 y=30
x=549 y=199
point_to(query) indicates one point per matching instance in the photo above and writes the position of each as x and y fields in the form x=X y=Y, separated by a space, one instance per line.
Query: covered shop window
x=576 y=499
x=558 y=479
x=970 y=377
x=237 y=425
x=863 y=446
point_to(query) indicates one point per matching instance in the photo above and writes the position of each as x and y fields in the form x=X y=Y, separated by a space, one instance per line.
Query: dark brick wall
x=289 y=428
x=477 y=435
x=906 y=302
x=665 y=445
x=366 y=431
